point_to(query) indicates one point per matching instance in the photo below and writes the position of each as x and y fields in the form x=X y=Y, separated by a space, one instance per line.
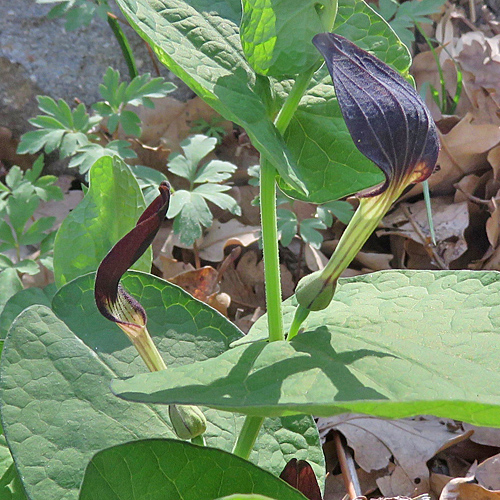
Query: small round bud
x=314 y=292
x=188 y=421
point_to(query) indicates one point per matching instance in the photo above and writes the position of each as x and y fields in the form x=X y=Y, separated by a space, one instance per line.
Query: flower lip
x=111 y=298
x=387 y=119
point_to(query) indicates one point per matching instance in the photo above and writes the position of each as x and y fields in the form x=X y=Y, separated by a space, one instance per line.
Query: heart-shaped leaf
x=20 y=301
x=390 y=344
x=175 y=470
x=55 y=377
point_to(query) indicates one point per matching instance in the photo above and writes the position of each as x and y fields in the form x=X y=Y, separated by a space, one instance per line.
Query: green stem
x=199 y=440
x=124 y=45
x=366 y=219
x=248 y=436
x=301 y=313
x=292 y=101
x=364 y=222
x=269 y=217
x=270 y=250
x=252 y=425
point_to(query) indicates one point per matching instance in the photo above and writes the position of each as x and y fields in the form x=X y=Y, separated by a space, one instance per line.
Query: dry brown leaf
x=60 y=208
x=411 y=442
x=180 y=119
x=375 y=261
x=488 y=436
x=203 y=285
x=245 y=282
x=494 y=160
x=479 y=56
x=438 y=482
x=425 y=69
x=200 y=283
x=450 y=222
x=157 y=123
x=488 y=473
x=217 y=238
x=315 y=260
x=493 y=224
x=170 y=267
x=224 y=234
x=464 y=489
x=244 y=323
x=464 y=151
x=466 y=186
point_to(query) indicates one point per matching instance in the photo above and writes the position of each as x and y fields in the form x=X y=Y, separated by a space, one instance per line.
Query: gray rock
x=37 y=56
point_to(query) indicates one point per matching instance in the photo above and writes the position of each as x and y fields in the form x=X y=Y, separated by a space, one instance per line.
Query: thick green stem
x=270 y=250
x=292 y=101
x=199 y=440
x=269 y=219
x=248 y=436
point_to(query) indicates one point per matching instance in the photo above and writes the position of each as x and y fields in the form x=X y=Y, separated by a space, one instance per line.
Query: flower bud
x=188 y=421
x=314 y=292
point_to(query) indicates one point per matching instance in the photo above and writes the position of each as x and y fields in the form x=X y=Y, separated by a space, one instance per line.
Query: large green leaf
x=164 y=469
x=329 y=163
x=276 y=35
x=199 y=41
x=20 y=301
x=391 y=344
x=55 y=379
x=109 y=210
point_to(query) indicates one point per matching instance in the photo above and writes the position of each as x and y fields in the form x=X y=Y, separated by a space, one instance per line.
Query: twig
x=472 y=11
x=475 y=199
x=233 y=255
x=300 y=259
x=153 y=59
x=197 y=262
x=347 y=467
x=439 y=261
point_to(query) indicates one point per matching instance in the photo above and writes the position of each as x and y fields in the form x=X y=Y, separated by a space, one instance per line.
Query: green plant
x=210 y=129
x=77 y=13
x=404 y=16
x=20 y=197
x=189 y=207
x=73 y=132
x=391 y=344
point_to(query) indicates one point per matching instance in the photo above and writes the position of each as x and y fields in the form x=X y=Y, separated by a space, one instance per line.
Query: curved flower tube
x=391 y=125
x=117 y=305
x=112 y=300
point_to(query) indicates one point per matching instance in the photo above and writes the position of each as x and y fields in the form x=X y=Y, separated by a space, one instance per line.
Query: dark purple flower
x=111 y=298
x=387 y=119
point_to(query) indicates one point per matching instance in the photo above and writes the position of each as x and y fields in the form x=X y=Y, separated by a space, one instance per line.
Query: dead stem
x=347 y=467
x=197 y=262
x=430 y=248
